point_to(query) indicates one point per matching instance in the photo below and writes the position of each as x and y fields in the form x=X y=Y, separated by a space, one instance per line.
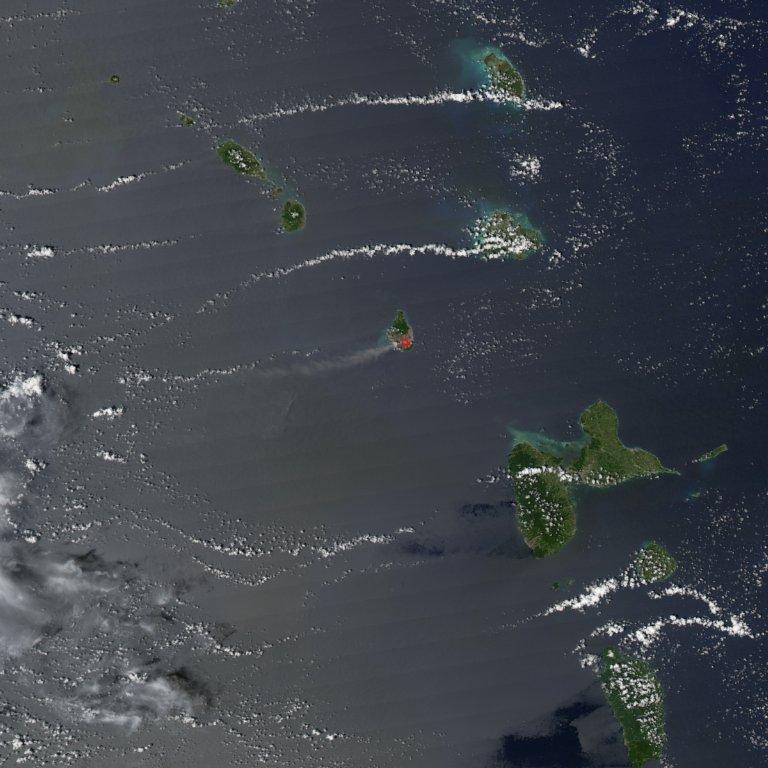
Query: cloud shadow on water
x=581 y=734
x=481 y=529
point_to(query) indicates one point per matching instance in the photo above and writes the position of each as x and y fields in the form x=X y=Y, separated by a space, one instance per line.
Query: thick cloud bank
x=98 y=634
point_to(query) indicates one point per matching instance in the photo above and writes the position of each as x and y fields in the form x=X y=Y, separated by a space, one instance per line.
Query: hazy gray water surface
x=238 y=527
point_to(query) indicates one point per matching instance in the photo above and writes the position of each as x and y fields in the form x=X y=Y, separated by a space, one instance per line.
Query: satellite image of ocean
x=383 y=383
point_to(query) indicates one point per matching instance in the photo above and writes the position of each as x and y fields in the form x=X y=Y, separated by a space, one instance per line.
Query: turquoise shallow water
x=565 y=449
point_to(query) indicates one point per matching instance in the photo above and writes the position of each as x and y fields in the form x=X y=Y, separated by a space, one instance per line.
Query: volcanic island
x=400 y=333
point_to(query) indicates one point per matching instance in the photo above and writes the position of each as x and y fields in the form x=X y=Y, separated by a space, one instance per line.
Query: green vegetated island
x=400 y=333
x=245 y=162
x=544 y=472
x=653 y=563
x=713 y=454
x=293 y=215
x=502 y=234
x=505 y=80
x=635 y=695
x=631 y=688
x=241 y=159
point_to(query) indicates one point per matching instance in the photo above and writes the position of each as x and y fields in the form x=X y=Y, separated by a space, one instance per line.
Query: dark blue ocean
x=322 y=561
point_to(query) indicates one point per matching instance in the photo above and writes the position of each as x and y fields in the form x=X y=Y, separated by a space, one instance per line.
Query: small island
x=114 y=79
x=713 y=454
x=637 y=700
x=506 y=81
x=400 y=333
x=186 y=120
x=241 y=159
x=543 y=476
x=293 y=216
x=653 y=563
x=502 y=234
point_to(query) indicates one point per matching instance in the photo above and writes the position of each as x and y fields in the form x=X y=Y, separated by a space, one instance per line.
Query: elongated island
x=713 y=454
x=637 y=700
x=241 y=159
